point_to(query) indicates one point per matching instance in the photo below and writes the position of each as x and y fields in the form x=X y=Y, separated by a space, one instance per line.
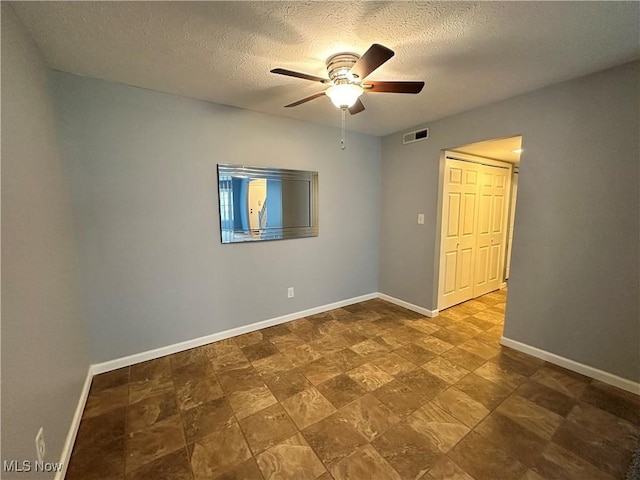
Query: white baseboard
x=574 y=366
x=215 y=337
x=408 y=306
x=95 y=369
x=67 y=448
x=98 y=368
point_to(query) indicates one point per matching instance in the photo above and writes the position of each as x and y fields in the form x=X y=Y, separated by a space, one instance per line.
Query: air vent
x=415 y=136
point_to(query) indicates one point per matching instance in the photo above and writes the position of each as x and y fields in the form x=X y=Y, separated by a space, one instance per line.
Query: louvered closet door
x=492 y=216
x=458 y=241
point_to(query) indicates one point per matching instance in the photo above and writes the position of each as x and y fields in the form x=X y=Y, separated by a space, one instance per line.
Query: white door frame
x=440 y=204
x=515 y=178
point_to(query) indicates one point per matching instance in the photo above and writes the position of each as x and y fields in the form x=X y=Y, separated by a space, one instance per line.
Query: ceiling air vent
x=415 y=136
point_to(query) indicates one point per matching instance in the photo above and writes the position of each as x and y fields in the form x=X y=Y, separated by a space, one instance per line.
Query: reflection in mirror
x=258 y=203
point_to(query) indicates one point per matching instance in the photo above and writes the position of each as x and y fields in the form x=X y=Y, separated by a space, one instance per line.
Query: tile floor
x=370 y=391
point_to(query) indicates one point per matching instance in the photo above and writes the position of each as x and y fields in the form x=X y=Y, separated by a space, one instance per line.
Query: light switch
x=421 y=219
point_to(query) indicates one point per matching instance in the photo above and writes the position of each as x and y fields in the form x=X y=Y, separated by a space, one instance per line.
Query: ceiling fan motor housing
x=339 y=68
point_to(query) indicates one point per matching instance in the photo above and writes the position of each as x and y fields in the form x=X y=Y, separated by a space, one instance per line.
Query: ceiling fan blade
x=356 y=107
x=305 y=100
x=372 y=59
x=305 y=76
x=393 y=87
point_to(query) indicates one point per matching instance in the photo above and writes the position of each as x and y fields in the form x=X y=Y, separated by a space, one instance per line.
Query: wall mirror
x=258 y=203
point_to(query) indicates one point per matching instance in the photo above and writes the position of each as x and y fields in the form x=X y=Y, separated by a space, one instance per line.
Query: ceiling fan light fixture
x=344 y=95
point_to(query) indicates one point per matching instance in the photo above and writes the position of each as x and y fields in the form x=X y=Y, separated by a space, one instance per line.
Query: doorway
x=476 y=207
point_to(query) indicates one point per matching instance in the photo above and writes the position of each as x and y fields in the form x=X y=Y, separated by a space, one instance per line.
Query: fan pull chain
x=343 y=144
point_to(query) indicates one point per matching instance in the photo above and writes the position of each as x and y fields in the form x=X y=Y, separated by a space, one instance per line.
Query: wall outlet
x=290 y=293
x=41 y=448
x=421 y=219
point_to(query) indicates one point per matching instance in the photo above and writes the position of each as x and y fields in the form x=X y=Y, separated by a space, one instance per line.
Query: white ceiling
x=499 y=149
x=468 y=53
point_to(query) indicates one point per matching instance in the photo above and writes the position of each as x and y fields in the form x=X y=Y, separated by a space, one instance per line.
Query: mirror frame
x=233 y=235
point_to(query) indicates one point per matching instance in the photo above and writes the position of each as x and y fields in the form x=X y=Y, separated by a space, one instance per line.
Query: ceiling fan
x=347 y=73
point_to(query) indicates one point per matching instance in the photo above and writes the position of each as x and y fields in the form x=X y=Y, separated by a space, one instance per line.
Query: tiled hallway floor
x=369 y=391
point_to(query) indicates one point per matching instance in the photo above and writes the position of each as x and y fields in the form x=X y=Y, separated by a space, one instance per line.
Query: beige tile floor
x=369 y=391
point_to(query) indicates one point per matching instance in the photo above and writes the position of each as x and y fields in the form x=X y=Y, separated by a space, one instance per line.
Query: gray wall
x=574 y=286
x=44 y=356
x=142 y=166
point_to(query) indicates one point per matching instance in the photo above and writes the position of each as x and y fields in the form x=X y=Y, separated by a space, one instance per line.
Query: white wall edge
x=408 y=306
x=608 y=378
x=67 y=448
x=215 y=337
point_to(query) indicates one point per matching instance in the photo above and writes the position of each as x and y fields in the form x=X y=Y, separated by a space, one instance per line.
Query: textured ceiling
x=498 y=149
x=469 y=53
